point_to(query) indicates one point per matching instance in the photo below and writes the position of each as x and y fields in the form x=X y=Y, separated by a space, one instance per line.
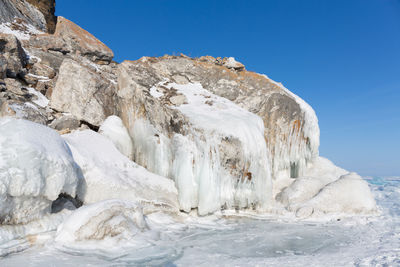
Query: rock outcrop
x=39 y=13
x=47 y=8
x=227 y=137
x=82 y=92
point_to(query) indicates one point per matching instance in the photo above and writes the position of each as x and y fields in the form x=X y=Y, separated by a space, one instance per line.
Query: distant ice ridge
x=222 y=131
x=36 y=165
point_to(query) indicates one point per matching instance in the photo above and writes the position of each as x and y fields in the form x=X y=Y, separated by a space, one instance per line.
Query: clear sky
x=341 y=56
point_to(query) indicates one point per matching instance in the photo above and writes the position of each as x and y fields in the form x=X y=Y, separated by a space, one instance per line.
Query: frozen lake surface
x=250 y=242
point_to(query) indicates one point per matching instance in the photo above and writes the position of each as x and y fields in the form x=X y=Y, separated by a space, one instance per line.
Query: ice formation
x=349 y=194
x=106 y=222
x=114 y=129
x=108 y=174
x=292 y=155
x=36 y=165
x=222 y=162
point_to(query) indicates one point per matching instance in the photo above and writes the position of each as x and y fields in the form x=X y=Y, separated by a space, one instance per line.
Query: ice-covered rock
x=114 y=129
x=36 y=166
x=108 y=174
x=348 y=195
x=318 y=174
x=213 y=149
x=106 y=222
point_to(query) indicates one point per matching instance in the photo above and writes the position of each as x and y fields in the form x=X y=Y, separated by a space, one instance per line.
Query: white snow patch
x=21 y=35
x=41 y=100
x=155 y=92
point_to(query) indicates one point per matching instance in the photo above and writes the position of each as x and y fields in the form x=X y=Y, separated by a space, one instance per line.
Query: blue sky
x=342 y=57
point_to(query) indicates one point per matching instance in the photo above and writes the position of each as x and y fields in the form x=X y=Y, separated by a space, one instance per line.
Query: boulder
x=10 y=10
x=12 y=56
x=65 y=123
x=81 y=41
x=83 y=92
x=47 y=8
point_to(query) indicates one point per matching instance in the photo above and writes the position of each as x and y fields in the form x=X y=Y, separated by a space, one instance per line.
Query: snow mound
x=114 y=129
x=106 y=222
x=349 y=195
x=318 y=174
x=36 y=165
x=108 y=174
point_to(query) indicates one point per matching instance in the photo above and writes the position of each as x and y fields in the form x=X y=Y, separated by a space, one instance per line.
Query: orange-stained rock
x=81 y=41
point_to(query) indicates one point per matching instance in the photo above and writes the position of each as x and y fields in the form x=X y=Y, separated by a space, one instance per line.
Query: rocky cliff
x=39 y=13
x=228 y=138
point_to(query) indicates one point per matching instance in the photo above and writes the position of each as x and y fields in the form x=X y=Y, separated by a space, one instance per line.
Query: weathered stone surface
x=48 y=42
x=65 y=123
x=47 y=8
x=82 y=92
x=12 y=9
x=81 y=41
x=12 y=55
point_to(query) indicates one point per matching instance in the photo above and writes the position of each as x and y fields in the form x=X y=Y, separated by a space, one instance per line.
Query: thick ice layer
x=318 y=174
x=105 y=223
x=36 y=165
x=16 y=238
x=108 y=174
x=359 y=241
x=326 y=188
x=349 y=194
x=222 y=161
x=114 y=129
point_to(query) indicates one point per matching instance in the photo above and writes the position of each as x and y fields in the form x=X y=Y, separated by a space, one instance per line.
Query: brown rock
x=12 y=56
x=47 y=8
x=81 y=41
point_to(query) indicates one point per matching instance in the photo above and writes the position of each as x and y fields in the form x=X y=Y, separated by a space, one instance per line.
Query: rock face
x=82 y=92
x=47 y=8
x=12 y=56
x=39 y=13
x=77 y=39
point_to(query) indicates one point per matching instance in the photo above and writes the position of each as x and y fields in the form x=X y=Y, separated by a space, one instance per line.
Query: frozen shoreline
x=353 y=241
